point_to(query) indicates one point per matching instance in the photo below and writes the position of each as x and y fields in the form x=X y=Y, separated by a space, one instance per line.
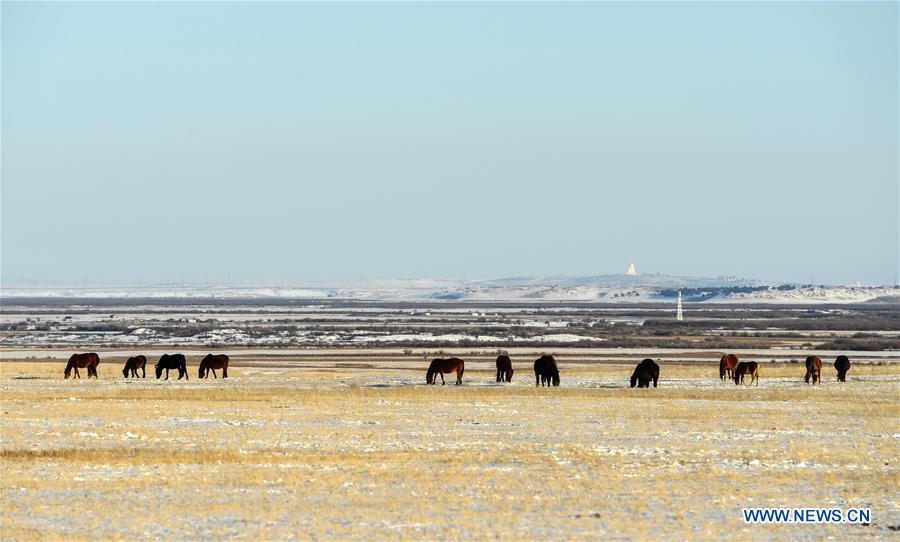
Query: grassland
x=278 y=452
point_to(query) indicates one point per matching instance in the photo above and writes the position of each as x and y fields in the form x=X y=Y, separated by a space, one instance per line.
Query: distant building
x=679 y=315
x=632 y=270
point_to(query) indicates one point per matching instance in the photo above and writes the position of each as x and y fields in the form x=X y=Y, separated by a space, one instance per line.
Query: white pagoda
x=632 y=270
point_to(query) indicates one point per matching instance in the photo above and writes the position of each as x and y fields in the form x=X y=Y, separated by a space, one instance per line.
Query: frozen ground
x=337 y=453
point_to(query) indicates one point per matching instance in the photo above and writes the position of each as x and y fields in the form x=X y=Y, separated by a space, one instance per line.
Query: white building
x=632 y=270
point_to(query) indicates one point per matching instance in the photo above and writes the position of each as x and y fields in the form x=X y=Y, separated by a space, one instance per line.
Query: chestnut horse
x=172 y=361
x=133 y=364
x=727 y=365
x=545 y=371
x=80 y=361
x=813 y=369
x=746 y=367
x=211 y=363
x=645 y=371
x=441 y=366
x=504 y=369
x=842 y=365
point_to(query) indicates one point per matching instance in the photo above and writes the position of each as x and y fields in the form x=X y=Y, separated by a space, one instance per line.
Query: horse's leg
x=225 y=372
x=442 y=379
x=143 y=372
x=167 y=373
x=214 y=374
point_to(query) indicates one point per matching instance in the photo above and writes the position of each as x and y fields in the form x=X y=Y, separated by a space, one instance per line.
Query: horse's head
x=68 y=370
x=159 y=370
x=556 y=378
x=202 y=369
x=125 y=371
x=429 y=377
x=634 y=379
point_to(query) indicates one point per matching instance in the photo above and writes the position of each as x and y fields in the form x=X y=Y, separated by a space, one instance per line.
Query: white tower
x=678 y=314
x=632 y=270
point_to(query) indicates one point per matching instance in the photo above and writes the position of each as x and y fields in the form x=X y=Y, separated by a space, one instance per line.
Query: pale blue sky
x=296 y=142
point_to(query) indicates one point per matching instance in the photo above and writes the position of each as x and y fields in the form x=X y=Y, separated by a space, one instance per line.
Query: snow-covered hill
x=601 y=288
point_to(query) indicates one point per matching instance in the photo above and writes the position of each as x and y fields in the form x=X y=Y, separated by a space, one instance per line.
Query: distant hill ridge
x=600 y=288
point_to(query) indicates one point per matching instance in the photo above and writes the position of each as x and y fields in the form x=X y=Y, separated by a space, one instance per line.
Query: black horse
x=842 y=365
x=545 y=371
x=504 y=368
x=172 y=361
x=746 y=368
x=645 y=371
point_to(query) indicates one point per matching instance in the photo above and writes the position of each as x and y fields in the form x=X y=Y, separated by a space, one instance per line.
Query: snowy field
x=331 y=452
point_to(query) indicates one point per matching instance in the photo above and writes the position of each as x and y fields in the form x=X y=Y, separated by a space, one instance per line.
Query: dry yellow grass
x=276 y=453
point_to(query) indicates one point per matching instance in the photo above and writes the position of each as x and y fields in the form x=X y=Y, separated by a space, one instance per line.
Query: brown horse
x=842 y=365
x=441 y=366
x=746 y=367
x=80 y=361
x=546 y=371
x=504 y=369
x=813 y=369
x=133 y=364
x=727 y=365
x=211 y=363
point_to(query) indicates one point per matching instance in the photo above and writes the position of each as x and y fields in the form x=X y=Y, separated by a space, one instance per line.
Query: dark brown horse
x=813 y=369
x=842 y=365
x=645 y=371
x=545 y=371
x=172 y=361
x=746 y=367
x=80 y=361
x=133 y=364
x=504 y=368
x=727 y=365
x=442 y=366
x=211 y=363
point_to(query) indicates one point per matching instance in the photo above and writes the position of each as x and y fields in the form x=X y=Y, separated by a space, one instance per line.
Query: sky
x=279 y=143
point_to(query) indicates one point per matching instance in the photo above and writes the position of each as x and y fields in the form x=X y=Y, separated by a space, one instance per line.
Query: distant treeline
x=708 y=292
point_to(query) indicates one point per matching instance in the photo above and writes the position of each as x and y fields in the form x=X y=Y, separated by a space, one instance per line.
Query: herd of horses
x=546 y=371
x=732 y=368
x=166 y=363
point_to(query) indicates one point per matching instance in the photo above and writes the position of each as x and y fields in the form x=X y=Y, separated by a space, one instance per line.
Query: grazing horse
x=441 y=366
x=504 y=369
x=546 y=371
x=211 y=363
x=842 y=364
x=133 y=364
x=813 y=369
x=80 y=361
x=645 y=371
x=746 y=367
x=172 y=361
x=727 y=365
